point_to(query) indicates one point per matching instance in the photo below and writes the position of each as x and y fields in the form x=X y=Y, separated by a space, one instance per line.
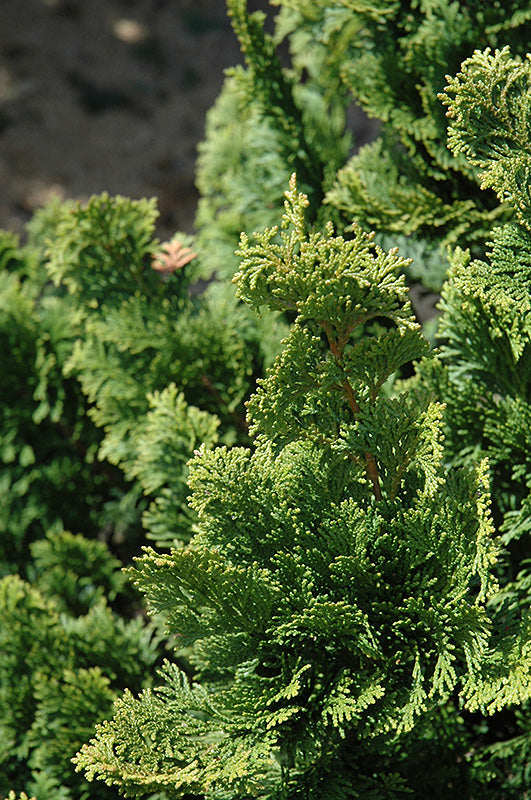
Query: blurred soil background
x=110 y=95
x=107 y=95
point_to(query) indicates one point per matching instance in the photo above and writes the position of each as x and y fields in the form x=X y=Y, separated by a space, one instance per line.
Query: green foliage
x=348 y=602
x=391 y=58
x=113 y=371
x=143 y=335
x=64 y=656
x=491 y=97
x=103 y=268
x=48 y=447
x=13 y=796
x=335 y=590
x=241 y=154
x=77 y=572
x=395 y=64
x=483 y=373
x=485 y=328
x=86 y=356
x=265 y=124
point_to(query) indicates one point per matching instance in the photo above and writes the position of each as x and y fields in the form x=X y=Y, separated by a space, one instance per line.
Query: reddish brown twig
x=337 y=351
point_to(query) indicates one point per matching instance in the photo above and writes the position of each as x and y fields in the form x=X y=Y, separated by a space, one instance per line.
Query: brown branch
x=372 y=468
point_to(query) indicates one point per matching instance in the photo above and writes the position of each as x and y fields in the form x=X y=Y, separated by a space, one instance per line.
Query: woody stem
x=372 y=467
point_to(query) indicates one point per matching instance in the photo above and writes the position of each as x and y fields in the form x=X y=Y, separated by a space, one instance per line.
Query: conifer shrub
x=48 y=445
x=484 y=334
x=337 y=590
x=359 y=496
x=65 y=655
x=113 y=371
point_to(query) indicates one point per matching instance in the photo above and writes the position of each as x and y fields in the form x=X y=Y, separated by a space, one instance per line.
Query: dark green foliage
x=397 y=64
x=273 y=91
x=116 y=333
x=75 y=571
x=113 y=372
x=144 y=333
x=48 y=447
x=64 y=656
x=348 y=603
x=483 y=373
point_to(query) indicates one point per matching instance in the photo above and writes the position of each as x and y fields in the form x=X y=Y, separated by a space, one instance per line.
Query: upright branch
x=273 y=93
x=355 y=293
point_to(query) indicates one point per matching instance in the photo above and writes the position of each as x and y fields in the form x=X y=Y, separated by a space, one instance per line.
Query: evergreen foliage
x=485 y=336
x=347 y=589
x=113 y=372
x=142 y=333
x=265 y=124
x=47 y=449
x=484 y=329
x=115 y=364
x=389 y=57
x=64 y=657
x=335 y=591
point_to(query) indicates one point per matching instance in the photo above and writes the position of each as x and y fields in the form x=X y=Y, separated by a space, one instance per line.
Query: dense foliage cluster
x=336 y=588
x=391 y=57
x=65 y=656
x=113 y=373
x=340 y=608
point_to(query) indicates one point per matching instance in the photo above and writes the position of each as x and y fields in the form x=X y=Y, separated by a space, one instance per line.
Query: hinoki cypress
x=277 y=115
x=336 y=589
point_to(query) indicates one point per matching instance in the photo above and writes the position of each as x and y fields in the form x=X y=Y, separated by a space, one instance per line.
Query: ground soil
x=107 y=95
x=111 y=95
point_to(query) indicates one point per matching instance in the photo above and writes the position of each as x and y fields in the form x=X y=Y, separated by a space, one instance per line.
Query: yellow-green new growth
x=489 y=103
x=327 y=383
